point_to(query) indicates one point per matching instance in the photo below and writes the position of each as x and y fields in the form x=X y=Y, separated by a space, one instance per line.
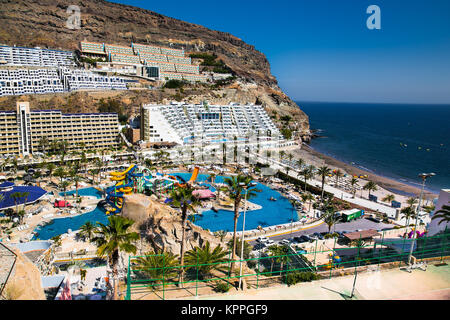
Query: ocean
x=397 y=141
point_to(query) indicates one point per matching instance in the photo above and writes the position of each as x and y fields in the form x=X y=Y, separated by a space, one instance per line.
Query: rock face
x=43 y=23
x=161 y=225
x=24 y=282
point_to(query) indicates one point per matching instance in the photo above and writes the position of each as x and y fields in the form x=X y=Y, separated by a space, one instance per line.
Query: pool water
x=272 y=212
x=60 y=226
x=86 y=192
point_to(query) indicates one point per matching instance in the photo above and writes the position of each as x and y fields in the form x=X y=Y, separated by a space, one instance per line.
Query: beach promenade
x=338 y=192
x=394 y=284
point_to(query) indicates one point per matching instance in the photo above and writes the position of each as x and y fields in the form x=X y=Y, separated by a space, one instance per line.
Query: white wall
x=444 y=199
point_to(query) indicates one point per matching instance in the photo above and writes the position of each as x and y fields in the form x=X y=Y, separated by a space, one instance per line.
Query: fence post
x=164 y=274
x=444 y=236
x=196 y=280
x=257 y=270
x=381 y=249
x=229 y=265
x=315 y=253
x=128 y=297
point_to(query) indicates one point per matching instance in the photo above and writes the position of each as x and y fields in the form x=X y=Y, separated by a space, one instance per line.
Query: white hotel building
x=189 y=123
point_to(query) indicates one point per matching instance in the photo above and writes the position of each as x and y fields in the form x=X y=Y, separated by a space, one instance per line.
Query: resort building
x=171 y=63
x=186 y=123
x=15 y=81
x=19 y=81
x=22 y=131
x=20 y=56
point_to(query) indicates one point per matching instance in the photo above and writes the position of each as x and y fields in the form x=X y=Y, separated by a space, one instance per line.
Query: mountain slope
x=43 y=23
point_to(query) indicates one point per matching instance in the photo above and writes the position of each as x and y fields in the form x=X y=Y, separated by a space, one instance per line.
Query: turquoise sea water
x=272 y=213
x=393 y=140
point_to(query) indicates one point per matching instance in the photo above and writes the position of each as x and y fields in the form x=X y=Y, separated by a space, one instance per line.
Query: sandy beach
x=386 y=185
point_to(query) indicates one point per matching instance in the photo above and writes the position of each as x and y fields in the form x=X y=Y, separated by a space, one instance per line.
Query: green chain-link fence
x=161 y=277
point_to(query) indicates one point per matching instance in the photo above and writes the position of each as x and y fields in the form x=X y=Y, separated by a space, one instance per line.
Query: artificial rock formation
x=162 y=226
x=24 y=283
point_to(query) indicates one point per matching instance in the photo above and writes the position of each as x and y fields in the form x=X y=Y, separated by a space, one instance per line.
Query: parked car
x=259 y=246
x=285 y=241
x=262 y=239
x=318 y=235
x=270 y=242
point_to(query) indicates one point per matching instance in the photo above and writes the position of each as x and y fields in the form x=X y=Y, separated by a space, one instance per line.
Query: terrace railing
x=7 y=263
x=160 y=280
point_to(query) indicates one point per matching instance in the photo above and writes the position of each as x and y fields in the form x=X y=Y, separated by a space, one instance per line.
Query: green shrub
x=300 y=276
x=174 y=84
x=222 y=287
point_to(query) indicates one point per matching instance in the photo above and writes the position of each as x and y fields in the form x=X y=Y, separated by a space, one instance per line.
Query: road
x=359 y=224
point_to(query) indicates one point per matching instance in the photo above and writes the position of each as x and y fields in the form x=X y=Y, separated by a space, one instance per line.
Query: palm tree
x=330 y=219
x=76 y=179
x=408 y=213
x=235 y=189
x=389 y=198
x=411 y=201
x=370 y=186
x=323 y=172
x=43 y=142
x=206 y=259
x=61 y=173
x=183 y=199
x=63 y=186
x=338 y=174
x=300 y=163
x=307 y=197
x=50 y=167
x=354 y=184
x=280 y=255
x=88 y=230
x=306 y=174
x=443 y=214
x=113 y=238
x=16 y=196
x=156 y=265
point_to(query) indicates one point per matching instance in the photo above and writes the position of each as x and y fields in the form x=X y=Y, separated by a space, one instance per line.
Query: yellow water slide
x=123 y=173
x=194 y=175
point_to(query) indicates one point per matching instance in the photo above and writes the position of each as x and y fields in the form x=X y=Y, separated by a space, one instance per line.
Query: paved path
x=337 y=192
x=394 y=284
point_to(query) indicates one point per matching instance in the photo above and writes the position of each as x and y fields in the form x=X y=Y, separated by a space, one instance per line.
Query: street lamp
x=424 y=177
x=243 y=185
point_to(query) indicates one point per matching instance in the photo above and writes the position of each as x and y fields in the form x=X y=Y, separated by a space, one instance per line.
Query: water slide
x=114 y=194
x=191 y=180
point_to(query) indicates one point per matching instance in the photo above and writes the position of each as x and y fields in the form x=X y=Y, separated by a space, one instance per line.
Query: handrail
x=10 y=271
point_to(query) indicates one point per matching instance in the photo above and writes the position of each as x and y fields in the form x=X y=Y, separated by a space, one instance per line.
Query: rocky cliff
x=43 y=23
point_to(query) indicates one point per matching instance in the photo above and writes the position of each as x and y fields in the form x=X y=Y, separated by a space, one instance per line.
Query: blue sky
x=321 y=50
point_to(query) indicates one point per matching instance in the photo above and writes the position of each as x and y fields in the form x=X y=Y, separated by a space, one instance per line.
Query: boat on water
x=272 y=199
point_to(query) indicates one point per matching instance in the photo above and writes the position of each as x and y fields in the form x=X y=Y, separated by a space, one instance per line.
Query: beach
x=386 y=185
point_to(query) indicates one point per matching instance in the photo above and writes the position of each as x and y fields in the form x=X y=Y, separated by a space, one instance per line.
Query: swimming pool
x=272 y=212
x=60 y=226
x=87 y=192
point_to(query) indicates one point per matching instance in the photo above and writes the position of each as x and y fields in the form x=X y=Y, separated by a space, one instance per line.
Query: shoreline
x=390 y=184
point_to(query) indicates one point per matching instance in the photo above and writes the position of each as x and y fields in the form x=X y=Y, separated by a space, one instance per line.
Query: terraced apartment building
x=186 y=123
x=172 y=63
x=22 y=131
